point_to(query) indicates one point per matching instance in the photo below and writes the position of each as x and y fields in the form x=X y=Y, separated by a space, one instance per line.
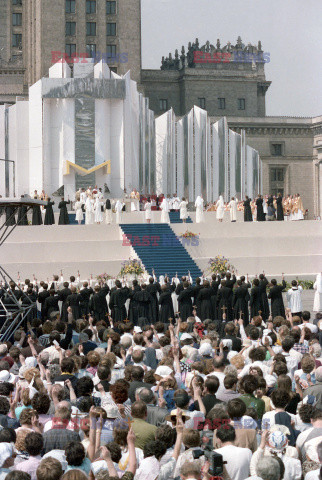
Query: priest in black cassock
x=118 y=298
x=85 y=295
x=166 y=304
x=224 y=298
x=63 y=214
x=248 y=217
x=98 y=304
x=144 y=301
x=260 y=211
x=185 y=302
x=133 y=306
x=263 y=282
x=63 y=294
x=240 y=302
x=36 y=212
x=276 y=296
x=205 y=295
x=279 y=209
x=255 y=299
x=153 y=288
x=49 y=215
x=73 y=301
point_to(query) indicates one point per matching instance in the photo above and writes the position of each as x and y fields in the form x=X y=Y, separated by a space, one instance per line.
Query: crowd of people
x=91 y=206
x=161 y=380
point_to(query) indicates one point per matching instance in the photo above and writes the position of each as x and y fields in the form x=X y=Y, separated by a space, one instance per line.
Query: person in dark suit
x=260 y=211
x=117 y=302
x=179 y=287
x=230 y=281
x=279 y=209
x=36 y=213
x=63 y=214
x=73 y=301
x=153 y=288
x=214 y=289
x=144 y=302
x=248 y=217
x=275 y=294
x=133 y=306
x=205 y=295
x=49 y=215
x=166 y=305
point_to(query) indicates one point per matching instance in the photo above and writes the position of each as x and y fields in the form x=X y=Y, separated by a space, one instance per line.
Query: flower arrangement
x=189 y=234
x=132 y=266
x=219 y=264
x=103 y=277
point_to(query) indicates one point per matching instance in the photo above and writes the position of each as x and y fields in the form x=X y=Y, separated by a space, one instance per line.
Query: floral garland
x=219 y=264
x=103 y=277
x=189 y=234
x=132 y=266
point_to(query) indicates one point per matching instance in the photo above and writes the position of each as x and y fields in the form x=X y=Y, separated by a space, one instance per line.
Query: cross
x=260 y=313
x=224 y=308
x=126 y=320
x=241 y=314
x=129 y=422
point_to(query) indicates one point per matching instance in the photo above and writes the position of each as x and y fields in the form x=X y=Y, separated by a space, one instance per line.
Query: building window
x=163 y=104
x=277 y=177
x=202 y=103
x=111 y=51
x=17 y=40
x=110 y=8
x=241 y=104
x=70 y=28
x=70 y=6
x=113 y=69
x=17 y=19
x=277 y=149
x=90 y=6
x=16 y=2
x=111 y=29
x=70 y=49
x=221 y=103
x=91 y=50
x=91 y=29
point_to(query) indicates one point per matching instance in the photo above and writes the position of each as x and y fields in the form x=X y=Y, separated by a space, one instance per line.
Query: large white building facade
x=92 y=127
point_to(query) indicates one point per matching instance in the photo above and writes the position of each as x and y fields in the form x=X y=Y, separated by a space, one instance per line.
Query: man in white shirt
x=238 y=459
x=306 y=322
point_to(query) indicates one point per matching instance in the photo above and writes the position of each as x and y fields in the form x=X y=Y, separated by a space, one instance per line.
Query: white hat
x=111 y=411
x=163 y=371
x=6 y=451
x=205 y=349
x=137 y=329
x=31 y=362
x=22 y=371
x=185 y=336
x=6 y=376
x=58 y=455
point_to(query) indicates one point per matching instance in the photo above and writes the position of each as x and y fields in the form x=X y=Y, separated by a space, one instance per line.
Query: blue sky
x=290 y=30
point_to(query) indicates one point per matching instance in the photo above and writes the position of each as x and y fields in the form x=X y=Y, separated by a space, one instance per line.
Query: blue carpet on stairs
x=175 y=218
x=158 y=248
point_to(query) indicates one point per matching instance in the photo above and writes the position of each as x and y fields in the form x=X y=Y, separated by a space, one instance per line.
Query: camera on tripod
x=216 y=464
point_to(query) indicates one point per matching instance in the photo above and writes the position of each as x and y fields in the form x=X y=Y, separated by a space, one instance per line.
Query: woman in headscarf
x=199 y=209
x=317 y=304
x=220 y=208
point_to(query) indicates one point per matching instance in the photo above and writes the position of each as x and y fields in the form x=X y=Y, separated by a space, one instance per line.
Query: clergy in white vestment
x=148 y=210
x=118 y=210
x=220 y=209
x=83 y=196
x=89 y=210
x=317 y=305
x=135 y=201
x=293 y=296
x=79 y=212
x=183 y=210
x=98 y=210
x=165 y=211
x=233 y=209
x=199 y=209
x=176 y=202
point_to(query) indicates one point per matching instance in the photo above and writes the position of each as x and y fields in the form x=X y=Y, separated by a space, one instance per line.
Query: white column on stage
x=215 y=161
x=36 y=170
x=191 y=181
x=243 y=164
x=220 y=157
x=19 y=149
x=232 y=164
x=180 y=160
x=249 y=172
x=2 y=150
x=161 y=145
x=200 y=151
x=209 y=196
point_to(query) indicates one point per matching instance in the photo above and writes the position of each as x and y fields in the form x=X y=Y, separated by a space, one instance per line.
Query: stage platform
x=294 y=248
